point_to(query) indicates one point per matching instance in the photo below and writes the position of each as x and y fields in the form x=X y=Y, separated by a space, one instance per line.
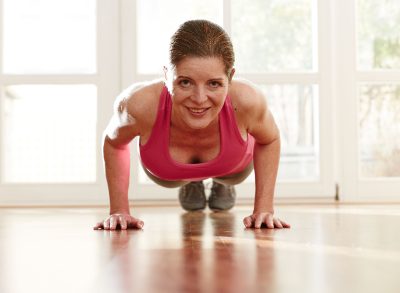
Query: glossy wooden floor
x=328 y=249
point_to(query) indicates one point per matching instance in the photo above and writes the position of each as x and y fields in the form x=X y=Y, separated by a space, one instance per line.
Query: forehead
x=201 y=66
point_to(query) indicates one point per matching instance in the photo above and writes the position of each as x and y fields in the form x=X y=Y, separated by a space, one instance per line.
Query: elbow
x=113 y=143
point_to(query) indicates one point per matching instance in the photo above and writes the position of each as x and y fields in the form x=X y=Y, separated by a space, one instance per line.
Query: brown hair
x=202 y=38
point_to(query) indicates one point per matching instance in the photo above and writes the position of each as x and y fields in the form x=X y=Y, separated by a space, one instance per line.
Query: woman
x=198 y=124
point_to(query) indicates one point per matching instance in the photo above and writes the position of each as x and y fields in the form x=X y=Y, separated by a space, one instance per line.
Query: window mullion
x=226 y=15
x=50 y=79
x=378 y=76
x=107 y=82
x=1 y=96
x=284 y=78
x=1 y=40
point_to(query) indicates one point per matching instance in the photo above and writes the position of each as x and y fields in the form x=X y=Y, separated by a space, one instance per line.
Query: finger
x=269 y=222
x=98 y=226
x=258 y=222
x=277 y=224
x=123 y=223
x=106 y=224
x=285 y=225
x=139 y=224
x=113 y=222
x=135 y=224
x=247 y=222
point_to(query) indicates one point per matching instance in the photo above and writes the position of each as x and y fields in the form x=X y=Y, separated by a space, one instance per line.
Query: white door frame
x=107 y=80
x=323 y=188
x=337 y=78
x=353 y=187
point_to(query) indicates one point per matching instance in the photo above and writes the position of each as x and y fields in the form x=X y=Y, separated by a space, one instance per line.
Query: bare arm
x=121 y=130
x=266 y=162
x=117 y=170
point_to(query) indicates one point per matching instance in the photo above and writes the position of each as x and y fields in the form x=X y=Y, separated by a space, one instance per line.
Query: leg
x=237 y=178
x=192 y=196
x=223 y=194
x=165 y=183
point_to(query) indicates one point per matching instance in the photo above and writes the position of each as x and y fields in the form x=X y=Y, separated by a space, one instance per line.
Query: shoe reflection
x=205 y=252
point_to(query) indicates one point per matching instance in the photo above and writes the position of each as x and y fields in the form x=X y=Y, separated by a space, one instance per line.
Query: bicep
x=262 y=125
x=123 y=126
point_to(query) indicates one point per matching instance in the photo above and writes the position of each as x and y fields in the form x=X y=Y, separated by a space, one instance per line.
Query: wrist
x=119 y=211
x=263 y=206
x=263 y=210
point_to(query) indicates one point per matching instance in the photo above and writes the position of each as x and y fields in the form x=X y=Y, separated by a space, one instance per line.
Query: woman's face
x=199 y=89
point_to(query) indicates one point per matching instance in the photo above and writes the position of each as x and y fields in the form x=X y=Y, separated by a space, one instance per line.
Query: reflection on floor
x=328 y=249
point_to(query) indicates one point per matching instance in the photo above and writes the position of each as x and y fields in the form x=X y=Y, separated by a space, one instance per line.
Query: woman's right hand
x=123 y=221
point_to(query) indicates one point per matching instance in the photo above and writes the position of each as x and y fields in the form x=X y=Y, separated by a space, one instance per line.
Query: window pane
x=379 y=122
x=274 y=35
x=157 y=20
x=378 y=34
x=50 y=133
x=295 y=109
x=49 y=36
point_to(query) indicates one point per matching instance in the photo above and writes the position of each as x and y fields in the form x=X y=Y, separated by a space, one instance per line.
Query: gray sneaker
x=192 y=196
x=222 y=197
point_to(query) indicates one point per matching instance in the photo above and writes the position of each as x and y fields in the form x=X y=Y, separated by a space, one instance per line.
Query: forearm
x=117 y=169
x=266 y=162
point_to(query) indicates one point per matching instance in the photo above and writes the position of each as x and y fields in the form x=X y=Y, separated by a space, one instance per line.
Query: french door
x=284 y=47
x=330 y=71
x=59 y=74
x=368 y=97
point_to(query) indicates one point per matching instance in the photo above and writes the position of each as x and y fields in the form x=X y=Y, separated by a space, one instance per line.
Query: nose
x=199 y=95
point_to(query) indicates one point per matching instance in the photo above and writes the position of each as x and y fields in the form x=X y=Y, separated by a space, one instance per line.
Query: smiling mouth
x=198 y=111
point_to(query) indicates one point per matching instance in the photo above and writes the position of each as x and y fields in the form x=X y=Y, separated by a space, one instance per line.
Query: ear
x=165 y=69
x=232 y=74
x=168 y=77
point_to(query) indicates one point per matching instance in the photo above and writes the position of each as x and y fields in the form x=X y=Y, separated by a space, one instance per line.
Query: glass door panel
x=379 y=130
x=296 y=112
x=49 y=36
x=275 y=35
x=49 y=134
x=157 y=20
x=378 y=34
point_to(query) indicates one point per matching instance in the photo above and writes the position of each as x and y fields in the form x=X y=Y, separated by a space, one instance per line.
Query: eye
x=215 y=84
x=184 y=83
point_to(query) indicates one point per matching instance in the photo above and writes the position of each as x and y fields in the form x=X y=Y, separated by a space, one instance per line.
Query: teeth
x=197 y=110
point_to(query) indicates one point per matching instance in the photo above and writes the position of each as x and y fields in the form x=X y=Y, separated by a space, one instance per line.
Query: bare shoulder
x=246 y=94
x=252 y=111
x=135 y=109
x=140 y=100
x=247 y=98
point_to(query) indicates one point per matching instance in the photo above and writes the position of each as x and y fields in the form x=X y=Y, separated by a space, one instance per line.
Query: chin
x=197 y=125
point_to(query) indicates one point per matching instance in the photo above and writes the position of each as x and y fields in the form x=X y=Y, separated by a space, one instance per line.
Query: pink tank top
x=235 y=153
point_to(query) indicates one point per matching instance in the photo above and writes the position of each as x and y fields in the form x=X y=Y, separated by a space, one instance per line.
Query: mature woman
x=199 y=123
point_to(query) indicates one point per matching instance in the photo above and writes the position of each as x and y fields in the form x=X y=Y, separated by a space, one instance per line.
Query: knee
x=172 y=184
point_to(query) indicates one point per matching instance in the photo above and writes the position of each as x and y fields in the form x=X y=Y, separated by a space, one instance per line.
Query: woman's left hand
x=264 y=220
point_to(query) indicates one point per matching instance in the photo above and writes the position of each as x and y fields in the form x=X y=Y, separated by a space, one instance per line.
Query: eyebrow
x=187 y=77
x=182 y=76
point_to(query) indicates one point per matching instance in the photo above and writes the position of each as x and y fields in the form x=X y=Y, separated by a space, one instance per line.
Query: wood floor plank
x=328 y=249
